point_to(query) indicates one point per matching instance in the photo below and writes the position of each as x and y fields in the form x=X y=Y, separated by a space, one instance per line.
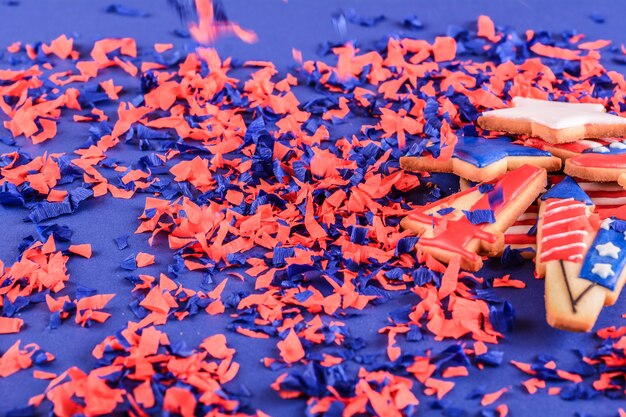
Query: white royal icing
x=608 y=249
x=617 y=145
x=592 y=144
x=555 y=114
x=602 y=270
x=606 y=223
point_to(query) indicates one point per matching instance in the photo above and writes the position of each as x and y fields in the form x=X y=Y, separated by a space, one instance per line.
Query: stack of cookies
x=575 y=229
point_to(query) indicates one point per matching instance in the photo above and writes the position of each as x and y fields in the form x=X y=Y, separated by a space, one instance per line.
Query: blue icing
x=481 y=152
x=568 y=188
x=614 y=148
x=595 y=265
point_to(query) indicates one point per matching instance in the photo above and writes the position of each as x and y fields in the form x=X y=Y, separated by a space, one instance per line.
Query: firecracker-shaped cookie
x=554 y=121
x=479 y=159
x=563 y=225
x=582 y=259
x=471 y=223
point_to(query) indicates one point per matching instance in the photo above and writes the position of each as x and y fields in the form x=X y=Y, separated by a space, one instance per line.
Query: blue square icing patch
x=606 y=257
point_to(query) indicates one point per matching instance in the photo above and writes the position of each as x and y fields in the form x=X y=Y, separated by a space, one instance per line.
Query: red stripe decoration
x=564 y=230
x=517 y=234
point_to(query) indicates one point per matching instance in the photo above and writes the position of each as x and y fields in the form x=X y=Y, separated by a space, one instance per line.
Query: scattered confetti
x=288 y=228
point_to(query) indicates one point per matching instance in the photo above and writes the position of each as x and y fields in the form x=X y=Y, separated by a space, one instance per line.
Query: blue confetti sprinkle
x=123 y=10
x=480 y=216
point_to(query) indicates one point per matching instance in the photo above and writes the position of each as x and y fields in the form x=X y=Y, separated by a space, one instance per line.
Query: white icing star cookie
x=554 y=122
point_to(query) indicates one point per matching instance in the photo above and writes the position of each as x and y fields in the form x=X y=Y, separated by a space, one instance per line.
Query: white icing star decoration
x=617 y=145
x=608 y=249
x=602 y=270
x=601 y=149
x=548 y=119
x=606 y=223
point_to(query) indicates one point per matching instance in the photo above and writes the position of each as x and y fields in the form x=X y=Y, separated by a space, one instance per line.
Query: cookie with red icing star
x=470 y=223
x=479 y=159
x=601 y=164
x=554 y=121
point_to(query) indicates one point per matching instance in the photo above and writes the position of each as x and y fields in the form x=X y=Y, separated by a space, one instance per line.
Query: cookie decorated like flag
x=582 y=264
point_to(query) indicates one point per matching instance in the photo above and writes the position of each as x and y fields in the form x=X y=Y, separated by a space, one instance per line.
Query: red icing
x=599 y=160
x=563 y=216
x=519 y=239
x=455 y=235
x=575 y=147
x=464 y=232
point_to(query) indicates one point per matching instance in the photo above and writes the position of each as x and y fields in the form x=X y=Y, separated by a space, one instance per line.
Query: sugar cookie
x=471 y=223
x=553 y=121
x=480 y=160
x=563 y=224
x=568 y=150
x=604 y=196
x=601 y=164
x=576 y=292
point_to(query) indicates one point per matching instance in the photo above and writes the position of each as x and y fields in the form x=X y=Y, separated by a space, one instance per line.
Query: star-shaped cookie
x=553 y=121
x=479 y=159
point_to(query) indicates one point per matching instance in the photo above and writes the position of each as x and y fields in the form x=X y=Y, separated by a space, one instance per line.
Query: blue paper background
x=280 y=26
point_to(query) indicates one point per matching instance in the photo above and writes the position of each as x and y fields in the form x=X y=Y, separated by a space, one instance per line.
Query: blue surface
x=280 y=27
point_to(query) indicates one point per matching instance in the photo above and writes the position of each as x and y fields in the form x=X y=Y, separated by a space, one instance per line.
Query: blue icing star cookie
x=614 y=148
x=481 y=160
